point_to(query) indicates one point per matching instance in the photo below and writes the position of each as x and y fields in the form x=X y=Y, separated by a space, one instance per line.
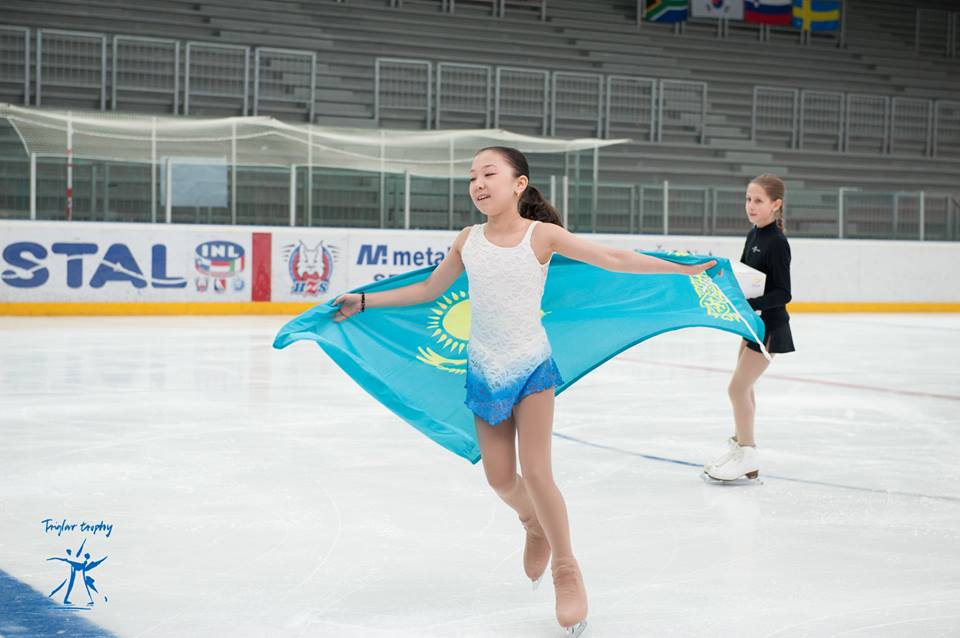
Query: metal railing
x=146 y=65
x=911 y=126
x=402 y=84
x=946 y=127
x=577 y=99
x=464 y=89
x=776 y=113
x=219 y=77
x=631 y=107
x=936 y=32
x=540 y=101
x=682 y=110
x=521 y=99
x=284 y=76
x=854 y=122
x=15 y=53
x=498 y=8
x=86 y=69
x=305 y=196
x=867 y=123
x=218 y=71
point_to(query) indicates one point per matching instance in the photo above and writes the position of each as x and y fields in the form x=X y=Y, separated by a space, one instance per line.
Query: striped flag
x=774 y=12
x=816 y=15
x=667 y=10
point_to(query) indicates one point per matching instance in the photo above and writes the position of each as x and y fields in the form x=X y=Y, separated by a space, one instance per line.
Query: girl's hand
x=349 y=306
x=696 y=269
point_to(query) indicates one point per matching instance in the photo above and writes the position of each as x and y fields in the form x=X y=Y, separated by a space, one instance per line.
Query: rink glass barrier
x=92 y=166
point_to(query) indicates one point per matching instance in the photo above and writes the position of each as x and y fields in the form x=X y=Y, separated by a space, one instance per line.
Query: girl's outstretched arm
x=569 y=245
x=421 y=292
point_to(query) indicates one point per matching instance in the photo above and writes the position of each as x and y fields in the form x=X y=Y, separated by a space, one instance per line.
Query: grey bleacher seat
x=877 y=75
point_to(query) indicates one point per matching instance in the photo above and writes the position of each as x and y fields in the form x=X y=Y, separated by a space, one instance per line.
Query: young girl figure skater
x=511 y=375
x=768 y=251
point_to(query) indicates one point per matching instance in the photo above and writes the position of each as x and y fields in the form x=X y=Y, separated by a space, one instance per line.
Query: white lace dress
x=508 y=355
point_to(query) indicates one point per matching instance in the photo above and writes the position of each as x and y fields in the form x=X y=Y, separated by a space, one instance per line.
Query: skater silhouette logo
x=80 y=567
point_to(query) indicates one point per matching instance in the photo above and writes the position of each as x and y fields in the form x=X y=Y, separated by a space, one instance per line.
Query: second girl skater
x=768 y=251
x=511 y=374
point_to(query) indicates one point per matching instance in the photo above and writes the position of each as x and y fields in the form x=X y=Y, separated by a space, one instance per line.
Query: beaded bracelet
x=363 y=301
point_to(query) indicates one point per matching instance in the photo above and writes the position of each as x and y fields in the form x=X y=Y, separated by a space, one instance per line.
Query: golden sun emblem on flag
x=449 y=326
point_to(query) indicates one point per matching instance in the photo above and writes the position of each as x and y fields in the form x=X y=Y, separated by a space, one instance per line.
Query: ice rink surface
x=255 y=492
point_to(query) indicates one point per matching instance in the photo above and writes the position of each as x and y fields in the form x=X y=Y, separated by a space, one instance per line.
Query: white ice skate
x=723 y=458
x=576 y=630
x=744 y=463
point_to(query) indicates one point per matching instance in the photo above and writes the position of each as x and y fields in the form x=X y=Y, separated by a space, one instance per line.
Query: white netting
x=264 y=141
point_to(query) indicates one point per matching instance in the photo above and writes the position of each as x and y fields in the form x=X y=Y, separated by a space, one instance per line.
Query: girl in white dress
x=511 y=374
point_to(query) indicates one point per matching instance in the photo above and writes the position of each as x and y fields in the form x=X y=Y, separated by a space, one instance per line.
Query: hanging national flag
x=729 y=9
x=666 y=10
x=414 y=359
x=816 y=15
x=774 y=12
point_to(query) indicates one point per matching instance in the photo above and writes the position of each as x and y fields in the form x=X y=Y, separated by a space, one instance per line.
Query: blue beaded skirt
x=494 y=406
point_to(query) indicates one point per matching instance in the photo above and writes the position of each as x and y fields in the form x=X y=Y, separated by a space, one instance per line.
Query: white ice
x=256 y=492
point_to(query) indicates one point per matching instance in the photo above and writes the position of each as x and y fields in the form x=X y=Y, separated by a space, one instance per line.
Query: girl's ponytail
x=534 y=206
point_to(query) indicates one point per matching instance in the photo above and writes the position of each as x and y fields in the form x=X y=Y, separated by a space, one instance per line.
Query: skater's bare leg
x=499 y=454
x=498 y=450
x=750 y=366
x=533 y=417
x=753 y=402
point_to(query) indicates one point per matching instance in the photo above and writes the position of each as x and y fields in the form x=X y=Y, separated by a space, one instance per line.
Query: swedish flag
x=816 y=15
x=413 y=359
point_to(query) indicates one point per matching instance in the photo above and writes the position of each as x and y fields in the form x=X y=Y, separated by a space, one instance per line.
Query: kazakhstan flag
x=413 y=359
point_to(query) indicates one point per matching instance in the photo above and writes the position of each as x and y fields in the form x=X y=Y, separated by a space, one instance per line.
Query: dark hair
x=775 y=189
x=532 y=204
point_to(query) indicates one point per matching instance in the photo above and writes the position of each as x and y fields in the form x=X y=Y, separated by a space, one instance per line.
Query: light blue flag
x=413 y=359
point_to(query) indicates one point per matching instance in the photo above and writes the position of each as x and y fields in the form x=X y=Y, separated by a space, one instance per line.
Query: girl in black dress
x=768 y=251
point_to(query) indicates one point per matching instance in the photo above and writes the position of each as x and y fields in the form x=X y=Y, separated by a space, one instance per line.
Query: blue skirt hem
x=496 y=406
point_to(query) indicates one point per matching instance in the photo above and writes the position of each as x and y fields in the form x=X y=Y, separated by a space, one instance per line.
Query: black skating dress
x=768 y=251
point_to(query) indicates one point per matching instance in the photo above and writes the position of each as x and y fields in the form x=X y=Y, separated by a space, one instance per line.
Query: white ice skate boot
x=743 y=462
x=723 y=458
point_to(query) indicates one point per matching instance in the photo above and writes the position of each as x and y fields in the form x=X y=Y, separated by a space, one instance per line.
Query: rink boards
x=104 y=268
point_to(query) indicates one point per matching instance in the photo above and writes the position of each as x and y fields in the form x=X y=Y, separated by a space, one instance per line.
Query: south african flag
x=667 y=10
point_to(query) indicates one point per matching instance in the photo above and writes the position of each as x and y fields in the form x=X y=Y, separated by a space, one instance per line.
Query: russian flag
x=775 y=12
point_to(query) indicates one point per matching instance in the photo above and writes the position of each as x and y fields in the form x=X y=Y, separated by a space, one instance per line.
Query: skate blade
x=576 y=630
x=752 y=478
x=536 y=583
